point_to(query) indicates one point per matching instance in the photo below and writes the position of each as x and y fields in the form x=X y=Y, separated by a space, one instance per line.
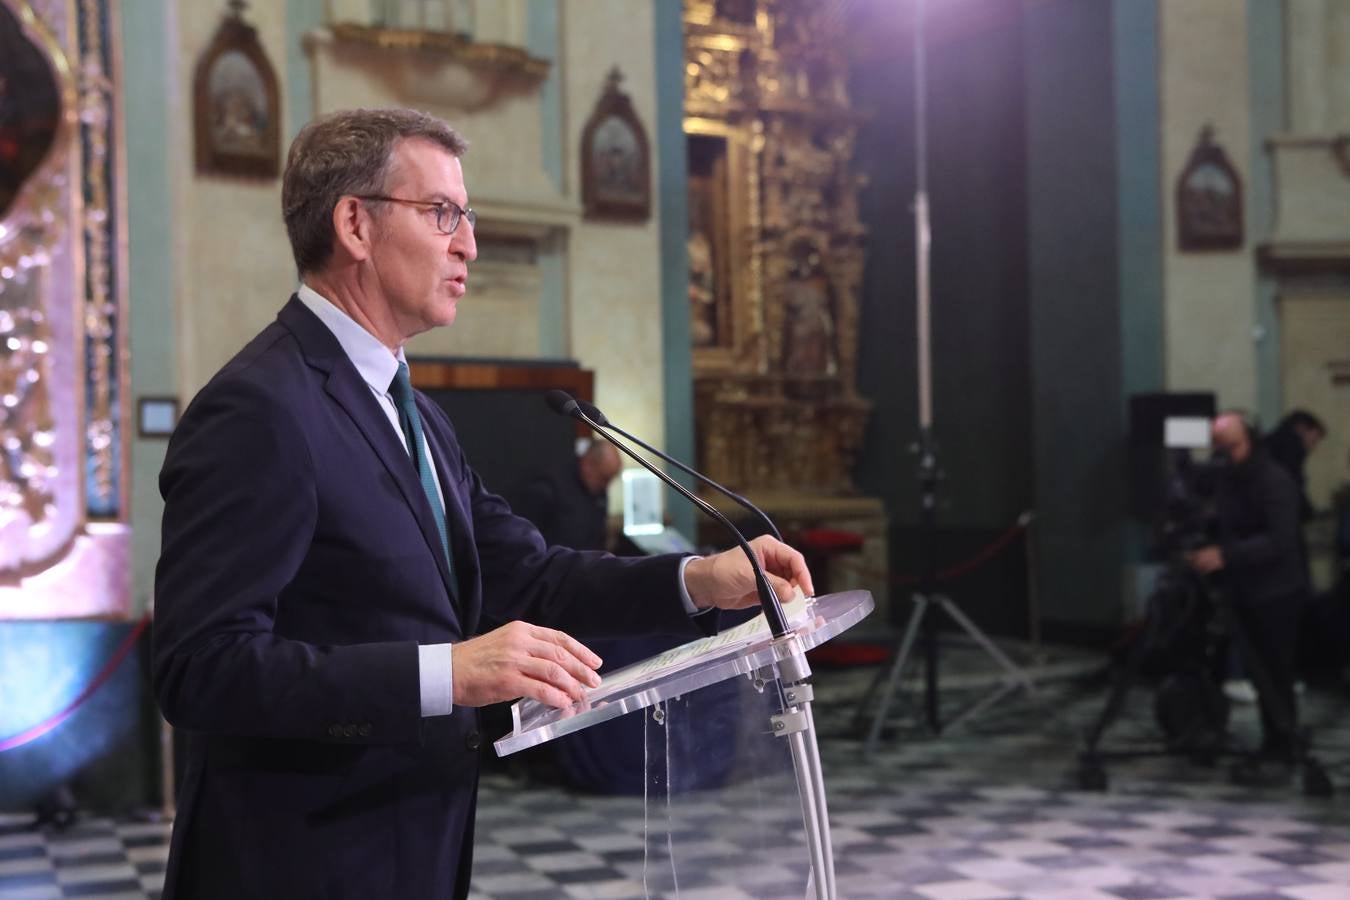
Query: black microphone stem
x=773 y=609
x=759 y=513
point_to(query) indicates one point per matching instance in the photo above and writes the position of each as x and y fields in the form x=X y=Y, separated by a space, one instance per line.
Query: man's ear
x=353 y=229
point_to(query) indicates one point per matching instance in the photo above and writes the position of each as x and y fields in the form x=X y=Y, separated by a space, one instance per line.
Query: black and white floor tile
x=990 y=813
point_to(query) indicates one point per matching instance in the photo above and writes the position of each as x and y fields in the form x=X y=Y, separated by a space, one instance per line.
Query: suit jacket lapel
x=345 y=386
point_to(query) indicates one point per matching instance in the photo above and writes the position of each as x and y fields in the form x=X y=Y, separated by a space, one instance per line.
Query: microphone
x=599 y=418
x=562 y=403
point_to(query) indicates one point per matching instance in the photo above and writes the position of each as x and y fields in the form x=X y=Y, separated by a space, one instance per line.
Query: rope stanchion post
x=1028 y=522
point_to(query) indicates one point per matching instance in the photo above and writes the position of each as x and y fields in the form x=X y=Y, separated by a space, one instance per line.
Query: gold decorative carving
x=101 y=308
x=502 y=57
x=36 y=215
x=31 y=223
x=768 y=78
x=62 y=337
x=433 y=66
x=27 y=477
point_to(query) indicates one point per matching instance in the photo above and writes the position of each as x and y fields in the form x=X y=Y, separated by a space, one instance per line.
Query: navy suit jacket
x=300 y=570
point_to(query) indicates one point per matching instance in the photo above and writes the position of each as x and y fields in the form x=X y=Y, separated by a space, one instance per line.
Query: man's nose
x=464 y=243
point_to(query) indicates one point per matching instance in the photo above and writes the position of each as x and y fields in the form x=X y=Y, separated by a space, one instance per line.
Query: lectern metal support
x=798 y=725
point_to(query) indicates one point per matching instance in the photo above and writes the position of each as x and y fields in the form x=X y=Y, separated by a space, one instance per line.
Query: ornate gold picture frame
x=64 y=540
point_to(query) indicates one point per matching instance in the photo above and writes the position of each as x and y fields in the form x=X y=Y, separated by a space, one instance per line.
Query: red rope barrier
x=38 y=730
x=980 y=558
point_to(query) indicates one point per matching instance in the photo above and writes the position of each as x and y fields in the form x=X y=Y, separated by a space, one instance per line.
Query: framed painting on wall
x=1209 y=199
x=616 y=181
x=236 y=106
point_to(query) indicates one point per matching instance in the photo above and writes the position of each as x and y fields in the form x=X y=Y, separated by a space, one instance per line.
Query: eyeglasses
x=448 y=213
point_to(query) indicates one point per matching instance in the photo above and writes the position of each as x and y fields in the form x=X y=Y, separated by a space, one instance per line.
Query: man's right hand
x=523 y=660
x=1206 y=559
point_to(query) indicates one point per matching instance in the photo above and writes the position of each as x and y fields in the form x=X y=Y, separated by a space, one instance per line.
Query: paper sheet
x=795 y=611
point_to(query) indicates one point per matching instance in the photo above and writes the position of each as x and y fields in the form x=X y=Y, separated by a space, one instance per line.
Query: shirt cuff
x=437 y=679
x=689 y=606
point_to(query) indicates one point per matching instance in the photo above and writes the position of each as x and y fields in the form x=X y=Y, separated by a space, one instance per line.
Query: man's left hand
x=727 y=581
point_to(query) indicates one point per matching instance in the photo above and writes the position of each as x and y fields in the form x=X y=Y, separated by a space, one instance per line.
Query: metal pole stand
x=796 y=724
x=1014 y=677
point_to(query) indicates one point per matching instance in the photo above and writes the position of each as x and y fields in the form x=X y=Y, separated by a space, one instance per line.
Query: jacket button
x=364 y=730
x=349 y=730
x=472 y=741
x=335 y=731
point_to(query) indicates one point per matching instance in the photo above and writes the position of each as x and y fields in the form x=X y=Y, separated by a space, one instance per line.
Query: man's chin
x=445 y=313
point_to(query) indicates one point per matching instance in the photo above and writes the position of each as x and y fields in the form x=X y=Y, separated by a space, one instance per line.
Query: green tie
x=402 y=392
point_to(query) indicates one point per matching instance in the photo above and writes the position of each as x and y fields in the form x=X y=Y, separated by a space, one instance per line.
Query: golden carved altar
x=64 y=540
x=776 y=253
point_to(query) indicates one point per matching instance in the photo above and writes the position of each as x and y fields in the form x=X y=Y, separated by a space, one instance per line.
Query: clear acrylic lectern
x=748 y=650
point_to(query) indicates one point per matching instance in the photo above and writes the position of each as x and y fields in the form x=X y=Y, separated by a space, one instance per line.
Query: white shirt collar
x=372 y=359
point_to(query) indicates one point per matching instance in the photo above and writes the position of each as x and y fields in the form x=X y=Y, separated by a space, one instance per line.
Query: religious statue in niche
x=30 y=109
x=615 y=161
x=708 y=239
x=236 y=114
x=702 y=291
x=1209 y=199
x=808 y=321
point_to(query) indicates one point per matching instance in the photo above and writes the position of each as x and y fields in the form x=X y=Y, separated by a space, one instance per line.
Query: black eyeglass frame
x=457 y=213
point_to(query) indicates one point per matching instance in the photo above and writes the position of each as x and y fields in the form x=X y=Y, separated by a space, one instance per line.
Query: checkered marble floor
x=988 y=813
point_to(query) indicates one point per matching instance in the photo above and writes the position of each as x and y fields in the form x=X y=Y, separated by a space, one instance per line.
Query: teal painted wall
x=673 y=206
x=1135 y=53
x=1138 y=117
x=543 y=40
x=1265 y=63
x=154 y=363
x=302 y=16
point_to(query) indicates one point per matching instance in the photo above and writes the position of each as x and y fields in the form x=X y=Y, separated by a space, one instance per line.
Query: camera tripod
x=922 y=629
x=1184 y=628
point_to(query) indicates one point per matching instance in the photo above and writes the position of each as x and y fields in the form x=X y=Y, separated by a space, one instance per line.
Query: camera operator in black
x=1259 y=560
x=1290 y=444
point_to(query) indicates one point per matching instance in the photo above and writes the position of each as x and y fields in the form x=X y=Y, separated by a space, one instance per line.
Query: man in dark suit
x=571 y=507
x=337 y=591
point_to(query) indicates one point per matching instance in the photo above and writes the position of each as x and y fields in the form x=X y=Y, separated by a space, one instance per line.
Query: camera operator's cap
x=1186 y=433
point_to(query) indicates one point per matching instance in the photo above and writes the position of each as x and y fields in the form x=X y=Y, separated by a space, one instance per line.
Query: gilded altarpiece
x=64 y=540
x=776 y=253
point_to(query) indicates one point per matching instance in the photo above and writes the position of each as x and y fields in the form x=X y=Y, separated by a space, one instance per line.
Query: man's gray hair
x=345 y=153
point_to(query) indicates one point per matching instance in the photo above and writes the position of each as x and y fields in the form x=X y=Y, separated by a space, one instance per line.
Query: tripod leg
x=1120 y=690
x=893 y=678
x=1015 y=672
x=998 y=692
